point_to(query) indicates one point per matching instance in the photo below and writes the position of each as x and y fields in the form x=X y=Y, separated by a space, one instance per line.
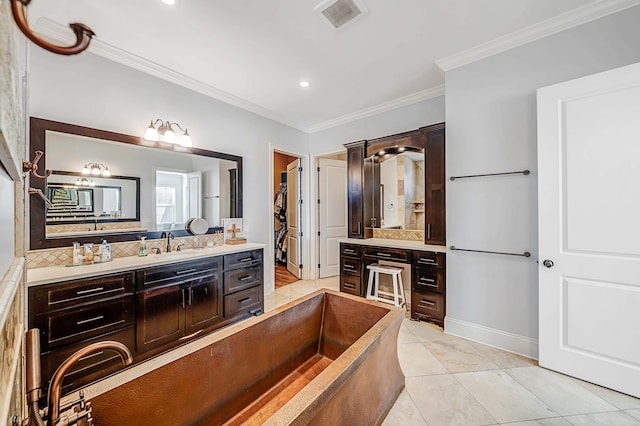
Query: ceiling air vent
x=338 y=12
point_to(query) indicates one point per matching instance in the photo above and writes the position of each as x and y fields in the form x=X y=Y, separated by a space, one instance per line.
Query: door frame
x=306 y=228
x=314 y=244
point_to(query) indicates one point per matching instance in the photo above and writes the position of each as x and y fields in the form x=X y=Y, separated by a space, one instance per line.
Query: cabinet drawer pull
x=248 y=277
x=427 y=302
x=246 y=259
x=384 y=254
x=349 y=250
x=428 y=231
x=92 y=290
x=426 y=260
x=349 y=267
x=84 y=358
x=99 y=317
x=246 y=299
x=182 y=297
x=186 y=271
x=427 y=280
x=349 y=285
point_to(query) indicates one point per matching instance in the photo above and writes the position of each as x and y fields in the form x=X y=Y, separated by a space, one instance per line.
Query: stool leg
x=369 y=284
x=404 y=296
x=395 y=290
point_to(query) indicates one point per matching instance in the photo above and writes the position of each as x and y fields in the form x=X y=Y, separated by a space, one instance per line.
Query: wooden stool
x=376 y=269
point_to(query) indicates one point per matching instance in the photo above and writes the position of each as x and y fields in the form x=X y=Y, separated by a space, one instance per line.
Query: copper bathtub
x=325 y=359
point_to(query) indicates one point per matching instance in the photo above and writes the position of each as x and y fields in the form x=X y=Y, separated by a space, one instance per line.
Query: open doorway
x=287 y=178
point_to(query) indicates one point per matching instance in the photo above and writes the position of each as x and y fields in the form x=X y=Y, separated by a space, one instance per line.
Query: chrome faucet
x=169 y=236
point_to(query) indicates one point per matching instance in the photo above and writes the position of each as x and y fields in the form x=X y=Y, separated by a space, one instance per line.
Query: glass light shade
x=78 y=182
x=169 y=136
x=95 y=170
x=106 y=172
x=185 y=140
x=92 y=183
x=85 y=170
x=151 y=134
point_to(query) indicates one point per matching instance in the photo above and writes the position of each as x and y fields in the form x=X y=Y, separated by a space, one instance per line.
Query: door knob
x=548 y=263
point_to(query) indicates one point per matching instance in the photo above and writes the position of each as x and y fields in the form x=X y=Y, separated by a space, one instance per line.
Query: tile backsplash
x=64 y=255
x=82 y=227
x=399 y=234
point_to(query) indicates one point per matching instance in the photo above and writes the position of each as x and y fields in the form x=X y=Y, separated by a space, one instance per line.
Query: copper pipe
x=55 y=389
x=82 y=32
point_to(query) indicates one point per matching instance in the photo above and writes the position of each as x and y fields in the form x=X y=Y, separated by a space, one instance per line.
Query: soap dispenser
x=105 y=248
x=143 y=246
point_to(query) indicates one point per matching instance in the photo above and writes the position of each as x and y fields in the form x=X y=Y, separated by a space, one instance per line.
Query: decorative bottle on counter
x=143 y=246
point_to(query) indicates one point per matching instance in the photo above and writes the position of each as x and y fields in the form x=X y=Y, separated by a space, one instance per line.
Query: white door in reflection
x=178 y=198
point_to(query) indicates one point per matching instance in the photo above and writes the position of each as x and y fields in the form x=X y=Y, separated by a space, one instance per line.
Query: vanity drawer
x=61 y=295
x=68 y=326
x=350 y=266
x=165 y=274
x=351 y=250
x=242 y=302
x=92 y=367
x=429 y=258
x=427 y=306
x=241 y=279
x=428 y=279
x=243 y=259
x=385 y=253
x=350 y=284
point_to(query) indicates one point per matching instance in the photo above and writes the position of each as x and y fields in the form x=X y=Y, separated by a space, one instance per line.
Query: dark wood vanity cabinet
x=363 y=201
x=150 y=310
x=72 y=314
x=428 y=278
x=435 y=207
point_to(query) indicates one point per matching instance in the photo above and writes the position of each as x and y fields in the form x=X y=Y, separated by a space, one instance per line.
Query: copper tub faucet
x=81 y=413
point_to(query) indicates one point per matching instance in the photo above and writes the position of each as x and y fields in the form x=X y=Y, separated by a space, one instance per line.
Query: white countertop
x=405 y=244
x=53 y=274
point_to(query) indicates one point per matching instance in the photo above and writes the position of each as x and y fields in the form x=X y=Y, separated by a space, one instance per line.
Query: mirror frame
x=37 y=213
x=133 y=219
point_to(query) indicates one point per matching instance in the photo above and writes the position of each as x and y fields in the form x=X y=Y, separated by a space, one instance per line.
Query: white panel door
x=294 y=213
x=589 y=228
x=194 y=194
x=332 y=193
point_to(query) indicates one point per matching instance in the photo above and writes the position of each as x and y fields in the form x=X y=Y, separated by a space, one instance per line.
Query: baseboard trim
x=509 y=342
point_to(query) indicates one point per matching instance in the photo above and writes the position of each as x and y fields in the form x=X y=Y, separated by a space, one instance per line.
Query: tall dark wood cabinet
x=435 y=219
x=363 y=200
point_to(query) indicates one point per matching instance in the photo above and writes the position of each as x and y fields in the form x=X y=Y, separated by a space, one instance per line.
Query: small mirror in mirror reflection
x=402 y=190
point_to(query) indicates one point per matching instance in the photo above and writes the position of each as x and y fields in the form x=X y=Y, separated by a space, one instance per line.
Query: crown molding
x=411 y=99
x=565 y=21
x=51 y=29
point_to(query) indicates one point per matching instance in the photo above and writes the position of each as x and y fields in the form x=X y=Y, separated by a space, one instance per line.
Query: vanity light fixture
x=165 y=133
x=96 y=169
x=83 y=181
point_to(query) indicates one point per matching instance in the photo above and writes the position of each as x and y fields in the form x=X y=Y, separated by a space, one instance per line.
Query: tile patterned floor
x=452 y=381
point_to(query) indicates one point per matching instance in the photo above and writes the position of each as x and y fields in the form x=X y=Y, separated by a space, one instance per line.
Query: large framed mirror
x=149 y=187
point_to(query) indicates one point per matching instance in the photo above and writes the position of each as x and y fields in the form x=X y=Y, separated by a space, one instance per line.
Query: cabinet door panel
x=355 y=165
x=204 y=303
x=160 y=318
x=435 y=187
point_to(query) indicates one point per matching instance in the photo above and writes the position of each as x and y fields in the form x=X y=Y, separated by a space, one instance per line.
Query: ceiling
x=254 y=53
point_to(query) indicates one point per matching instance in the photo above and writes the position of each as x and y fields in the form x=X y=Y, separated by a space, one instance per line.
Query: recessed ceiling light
x=169 y=2
x=304 y=84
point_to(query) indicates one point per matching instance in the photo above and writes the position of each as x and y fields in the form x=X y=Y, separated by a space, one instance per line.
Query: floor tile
x=503 y=359
x=559 y=392
x=416 y=360
x=426 y=332
x=404 y=412
x=556 y=421
x=458 y=356
x=614 y=418
x=443 y=401
x=406 y=336
x=620 y=400
x=504 y=398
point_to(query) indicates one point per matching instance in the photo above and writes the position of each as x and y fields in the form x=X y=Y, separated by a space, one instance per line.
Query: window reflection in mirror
x=402 y=191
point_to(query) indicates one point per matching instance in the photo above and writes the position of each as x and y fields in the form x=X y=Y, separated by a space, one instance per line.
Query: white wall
x=92 y=91
x=491 y=127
